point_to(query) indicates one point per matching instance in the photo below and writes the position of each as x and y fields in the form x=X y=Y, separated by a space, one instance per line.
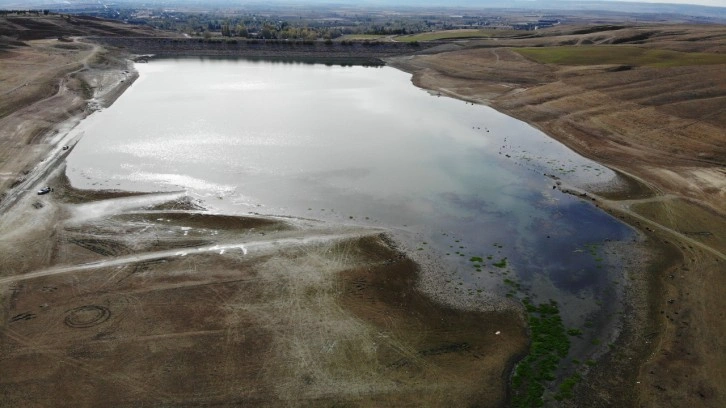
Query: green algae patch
x=501 y=264
x=550 y=344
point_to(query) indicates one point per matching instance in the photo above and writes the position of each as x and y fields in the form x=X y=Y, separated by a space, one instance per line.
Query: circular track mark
x=87 y=316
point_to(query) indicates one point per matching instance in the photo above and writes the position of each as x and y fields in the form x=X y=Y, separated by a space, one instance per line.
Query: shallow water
x=363 y=145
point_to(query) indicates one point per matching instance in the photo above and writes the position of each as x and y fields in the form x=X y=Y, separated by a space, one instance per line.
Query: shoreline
x=431 y=289
x=435 y=291
x=652 y=287
x=75 y=109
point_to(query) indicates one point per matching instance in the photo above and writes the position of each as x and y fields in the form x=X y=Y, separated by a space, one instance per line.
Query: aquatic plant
x=501 y=264
x=574 y=332
x=513 y=284
x=565 y=389
x=549 y=345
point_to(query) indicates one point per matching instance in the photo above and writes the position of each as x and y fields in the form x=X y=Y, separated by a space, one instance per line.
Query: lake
x=362 y=145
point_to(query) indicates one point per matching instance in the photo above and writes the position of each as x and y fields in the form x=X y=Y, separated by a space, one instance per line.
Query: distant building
x=547 y=22
x=535 y=25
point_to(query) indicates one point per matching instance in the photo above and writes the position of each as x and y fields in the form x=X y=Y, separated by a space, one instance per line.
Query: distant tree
x=242 y=30
x=267 y=31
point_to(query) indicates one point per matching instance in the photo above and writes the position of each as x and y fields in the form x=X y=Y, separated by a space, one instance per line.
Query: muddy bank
x=147 y=299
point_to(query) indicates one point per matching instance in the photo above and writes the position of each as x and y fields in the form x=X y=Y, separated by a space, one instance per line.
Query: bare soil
x=148 y=306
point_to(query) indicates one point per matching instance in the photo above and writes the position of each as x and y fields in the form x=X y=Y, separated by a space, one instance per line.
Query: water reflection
x=355 y=144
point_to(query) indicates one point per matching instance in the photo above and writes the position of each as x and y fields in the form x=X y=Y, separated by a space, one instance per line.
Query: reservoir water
x=362 y=145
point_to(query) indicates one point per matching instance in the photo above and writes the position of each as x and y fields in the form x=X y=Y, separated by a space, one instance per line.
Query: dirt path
x=31 y=138
x=624 y=207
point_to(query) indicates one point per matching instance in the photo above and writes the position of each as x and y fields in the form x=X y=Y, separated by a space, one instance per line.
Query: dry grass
x=458 y=34
x=620 y=55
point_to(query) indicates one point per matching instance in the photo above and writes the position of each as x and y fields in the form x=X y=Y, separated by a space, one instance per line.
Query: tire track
x=112 y=377
x=41 y=170
x=624 y=207
x=245 y=247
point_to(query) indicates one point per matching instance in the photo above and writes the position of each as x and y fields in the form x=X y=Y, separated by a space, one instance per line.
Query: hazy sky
x=716 y=3
x=468 y=3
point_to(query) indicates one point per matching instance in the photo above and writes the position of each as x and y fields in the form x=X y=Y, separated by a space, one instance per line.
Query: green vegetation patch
x=549 y=346
x=501 y=264
x=362 y=37
x=620 y=55
x=566 y=387
x=574 y=332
